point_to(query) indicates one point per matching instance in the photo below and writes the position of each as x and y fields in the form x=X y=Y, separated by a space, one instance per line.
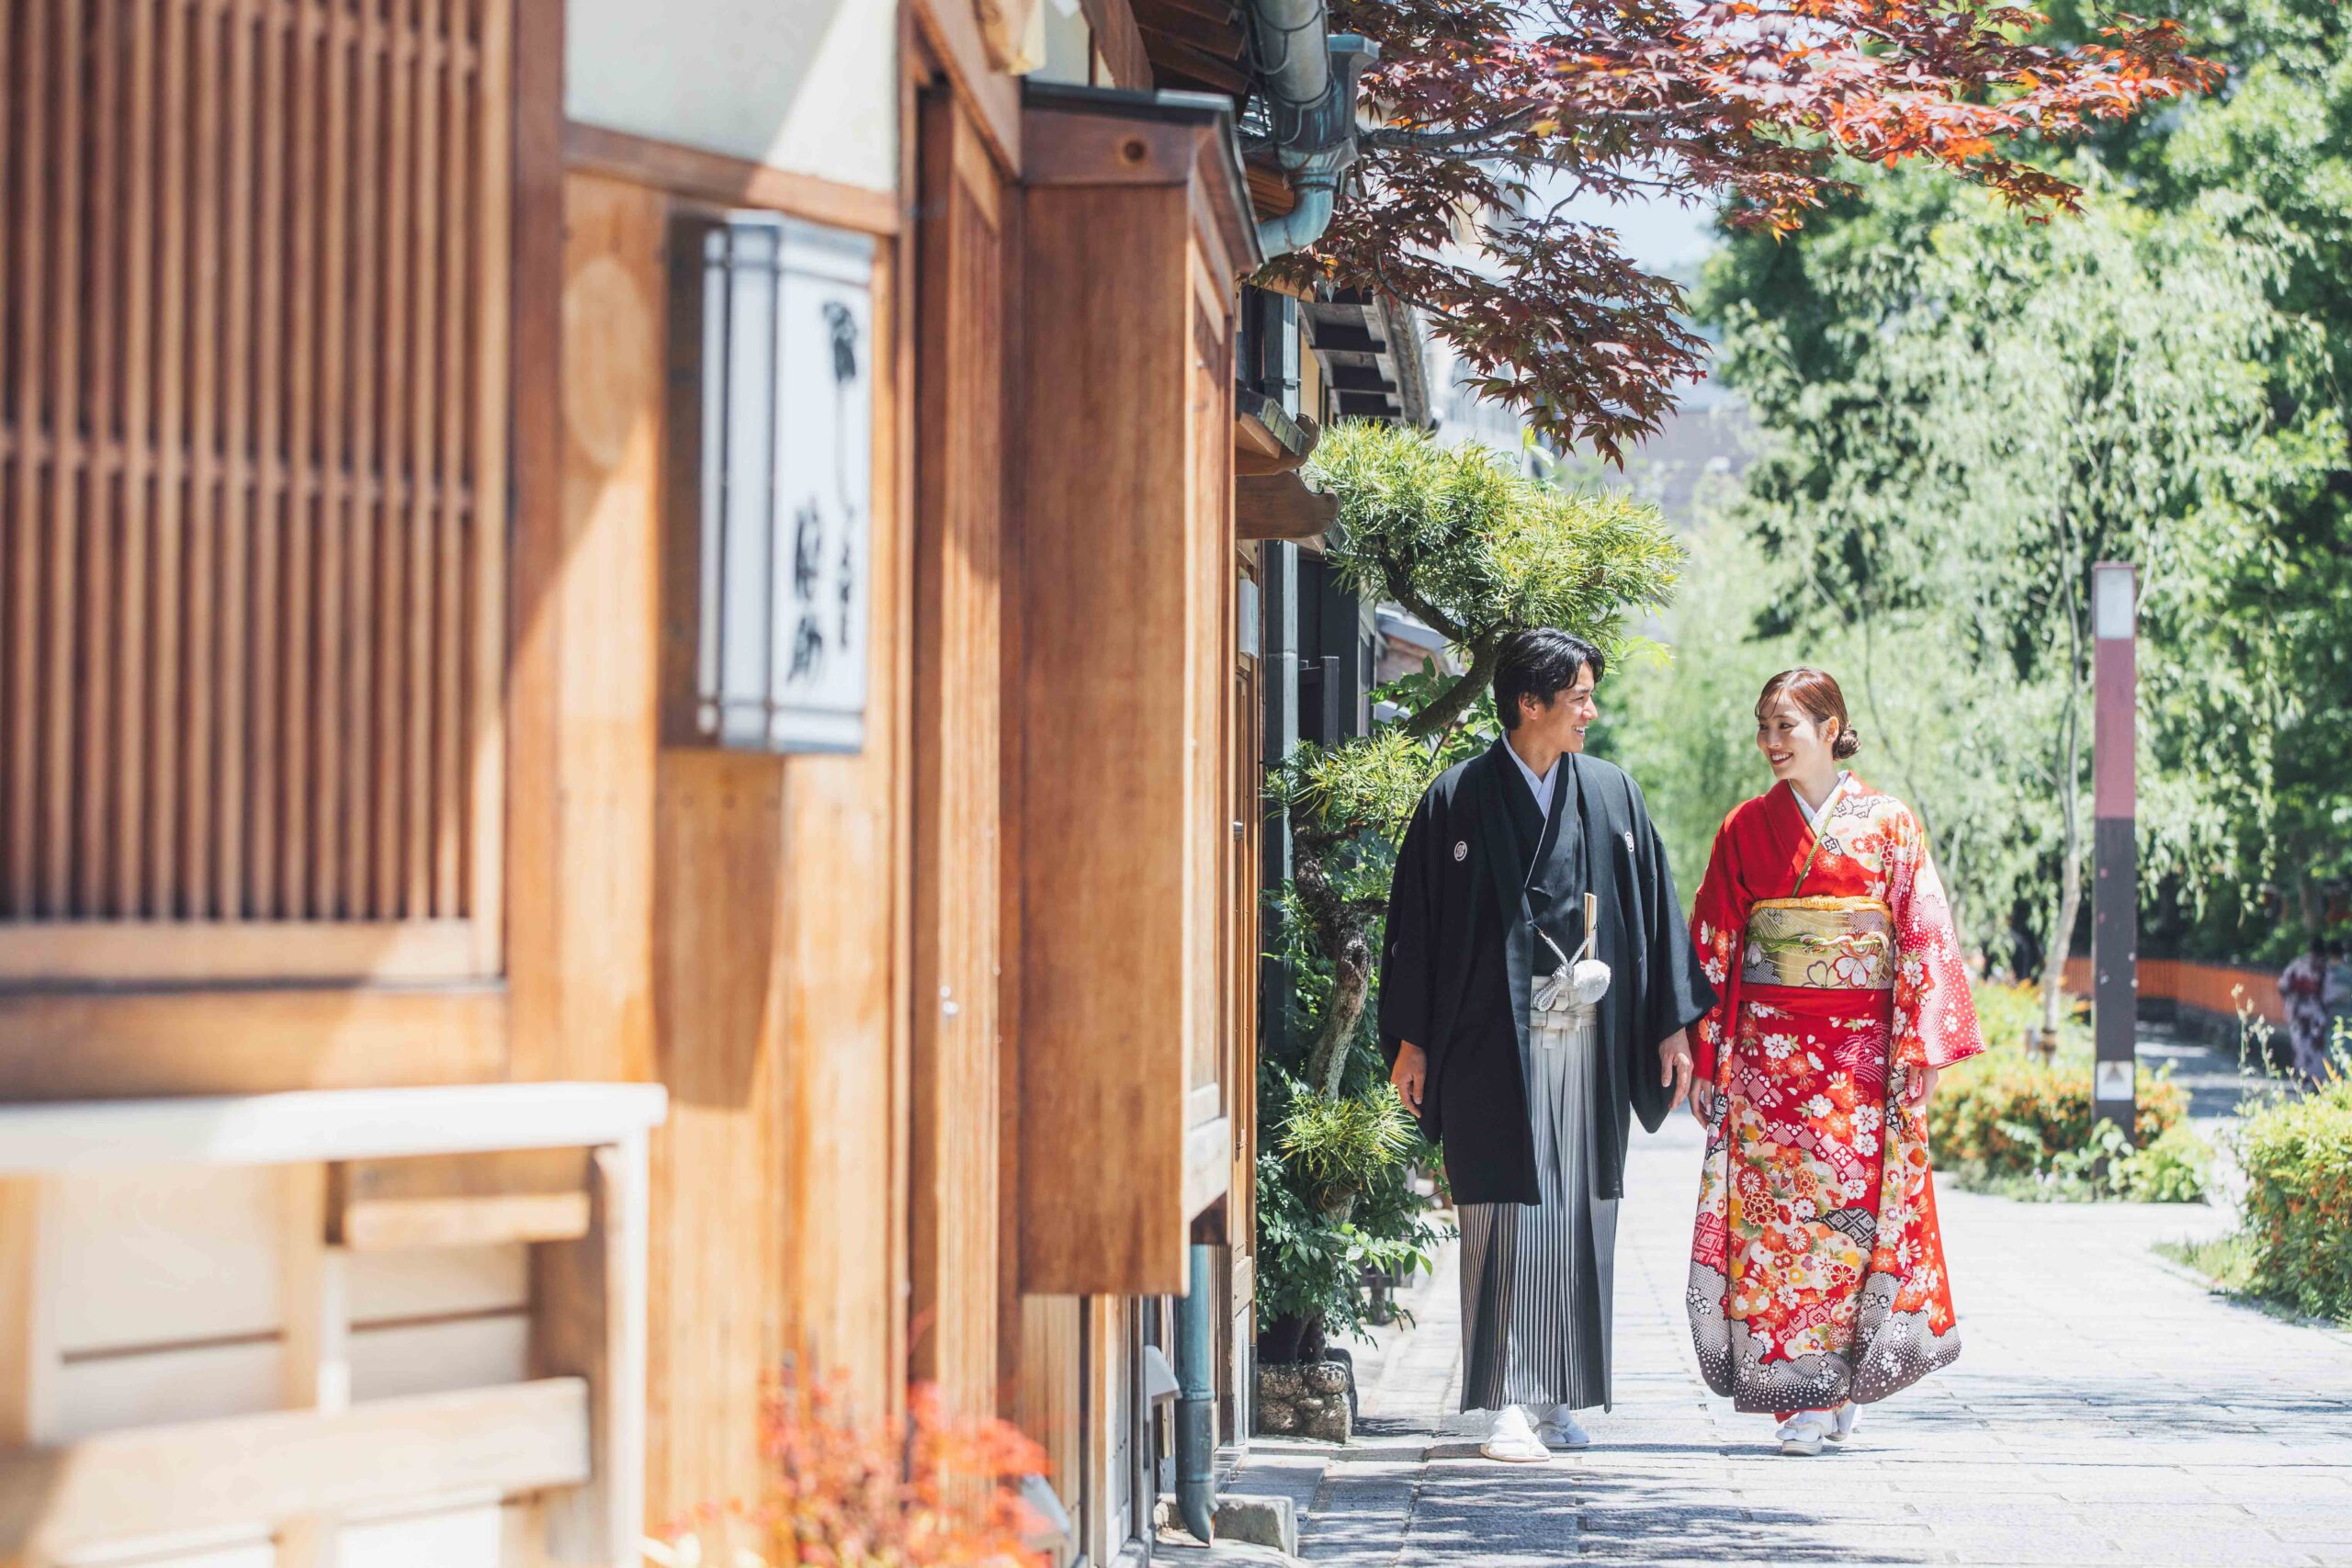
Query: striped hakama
x=1536 y=1280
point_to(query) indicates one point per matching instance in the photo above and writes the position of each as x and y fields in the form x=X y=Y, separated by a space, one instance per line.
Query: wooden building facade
x=535 y=884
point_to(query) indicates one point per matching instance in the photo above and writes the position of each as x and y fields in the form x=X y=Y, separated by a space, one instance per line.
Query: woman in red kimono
x=1816 y=1272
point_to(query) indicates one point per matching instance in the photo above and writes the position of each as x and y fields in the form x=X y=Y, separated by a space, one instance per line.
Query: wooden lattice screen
x=253 y=256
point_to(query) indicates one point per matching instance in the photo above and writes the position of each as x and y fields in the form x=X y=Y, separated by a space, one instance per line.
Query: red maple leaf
x=1490 y=113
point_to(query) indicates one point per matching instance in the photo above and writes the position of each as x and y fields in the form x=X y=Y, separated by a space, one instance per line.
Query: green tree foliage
x=1477 y=550
x=1961 y=415
x=1681 y=724
x=1501 y=107
x=2277 y=144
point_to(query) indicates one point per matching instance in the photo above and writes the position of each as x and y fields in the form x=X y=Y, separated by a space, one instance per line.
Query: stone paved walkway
x=2106 y=1409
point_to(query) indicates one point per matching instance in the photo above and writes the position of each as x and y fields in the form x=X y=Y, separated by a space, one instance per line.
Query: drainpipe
x=1310 y=86
x=1196 y=1403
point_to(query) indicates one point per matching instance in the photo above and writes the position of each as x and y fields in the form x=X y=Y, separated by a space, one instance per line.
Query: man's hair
x=1540 y=664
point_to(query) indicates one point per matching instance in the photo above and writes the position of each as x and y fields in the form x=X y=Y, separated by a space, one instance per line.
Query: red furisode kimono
x=1816 y=1268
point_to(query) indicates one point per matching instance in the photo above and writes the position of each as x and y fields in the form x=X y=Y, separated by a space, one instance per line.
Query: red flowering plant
x=936 y=1490
x=1492 y=114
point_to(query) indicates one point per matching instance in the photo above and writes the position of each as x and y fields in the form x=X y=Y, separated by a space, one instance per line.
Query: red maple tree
x=1491 y=113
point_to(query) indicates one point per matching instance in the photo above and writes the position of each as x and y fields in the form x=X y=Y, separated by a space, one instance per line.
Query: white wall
x=1069 y=43
x=810 y=85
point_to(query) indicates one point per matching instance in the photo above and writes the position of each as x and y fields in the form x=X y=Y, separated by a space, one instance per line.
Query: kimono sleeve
x=1678 y=993
x=1716 y=931
x=1935 y=1016
x=1405 y=953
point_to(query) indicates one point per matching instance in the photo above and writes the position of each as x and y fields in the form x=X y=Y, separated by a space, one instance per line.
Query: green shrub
x=1342 y=1146
x=2174 y=1167
x=2007 y=1013
x=1311 y=1263
x=2297 y=1154
x=2008 y=1114
x=2011 y=1123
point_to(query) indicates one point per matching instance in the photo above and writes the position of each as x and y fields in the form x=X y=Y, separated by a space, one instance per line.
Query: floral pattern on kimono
x=1817 y=1270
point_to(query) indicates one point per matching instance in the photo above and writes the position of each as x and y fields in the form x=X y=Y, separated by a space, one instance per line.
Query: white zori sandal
x=1512 y=1441
x=1842 y=1426
x=1804 y=1432
x=1561 y=1430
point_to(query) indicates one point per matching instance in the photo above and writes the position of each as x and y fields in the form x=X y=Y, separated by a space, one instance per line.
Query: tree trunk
x=2070 y=862
x=2062 y=935
x=1327 y=1063
x=1344 y=937
x=1441 y=714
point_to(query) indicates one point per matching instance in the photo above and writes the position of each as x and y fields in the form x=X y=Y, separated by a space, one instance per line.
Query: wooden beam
x=535 y=396
x=589 y=1322
x=286 y=1129
x=1102 y=1153
x=1219 y=35
x=1174 y=58
x=712 y=176
x=1280 y=506
x=1208 y=1159
x=508 y=1195
x=55 y=954
x=314 y=1297
x=1224 y=12
x=287 y=1464
x=1120 y=43
x=1270 y=193
x=29 y=1358
x=1007 y=31
x=102 y=1046
x=952 y=31
x=1268 y=441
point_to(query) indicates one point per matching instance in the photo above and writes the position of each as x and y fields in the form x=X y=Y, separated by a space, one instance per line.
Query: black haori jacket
x=1461 y=949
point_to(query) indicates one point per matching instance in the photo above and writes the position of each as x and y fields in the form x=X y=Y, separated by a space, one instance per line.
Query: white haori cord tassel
x=1563 y=1000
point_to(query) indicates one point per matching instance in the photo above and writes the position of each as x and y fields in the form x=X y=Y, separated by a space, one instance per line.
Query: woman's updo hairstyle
x=1817 y=697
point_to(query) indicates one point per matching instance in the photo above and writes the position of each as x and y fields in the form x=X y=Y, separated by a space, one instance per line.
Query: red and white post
x=2115 y=893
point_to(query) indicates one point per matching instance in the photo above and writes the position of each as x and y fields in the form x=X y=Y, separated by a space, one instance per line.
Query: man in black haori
x=1536 y=979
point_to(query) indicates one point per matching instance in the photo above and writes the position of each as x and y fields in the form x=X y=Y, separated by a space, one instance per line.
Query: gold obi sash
x=1827 y=944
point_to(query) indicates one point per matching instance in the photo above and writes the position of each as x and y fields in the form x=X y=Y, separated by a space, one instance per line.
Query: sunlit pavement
x=2106 y=1409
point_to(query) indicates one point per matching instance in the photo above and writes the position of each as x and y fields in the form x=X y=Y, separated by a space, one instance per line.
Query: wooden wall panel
x=252 y=473
x=1104 y=603
x=843 y=1038
x=1117 y=1509
x=731 y=924
x=958 y=681
x=1211 y=892
x=1126 y=623
x=597 y=607
x=1049 y=1399
x=1236 y=1270
x=716 y=1307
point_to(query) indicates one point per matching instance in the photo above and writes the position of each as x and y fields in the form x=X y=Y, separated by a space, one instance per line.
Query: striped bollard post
x=2115 y=893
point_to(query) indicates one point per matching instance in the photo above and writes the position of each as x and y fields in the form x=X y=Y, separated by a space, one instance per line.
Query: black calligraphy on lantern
x=808 y=567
